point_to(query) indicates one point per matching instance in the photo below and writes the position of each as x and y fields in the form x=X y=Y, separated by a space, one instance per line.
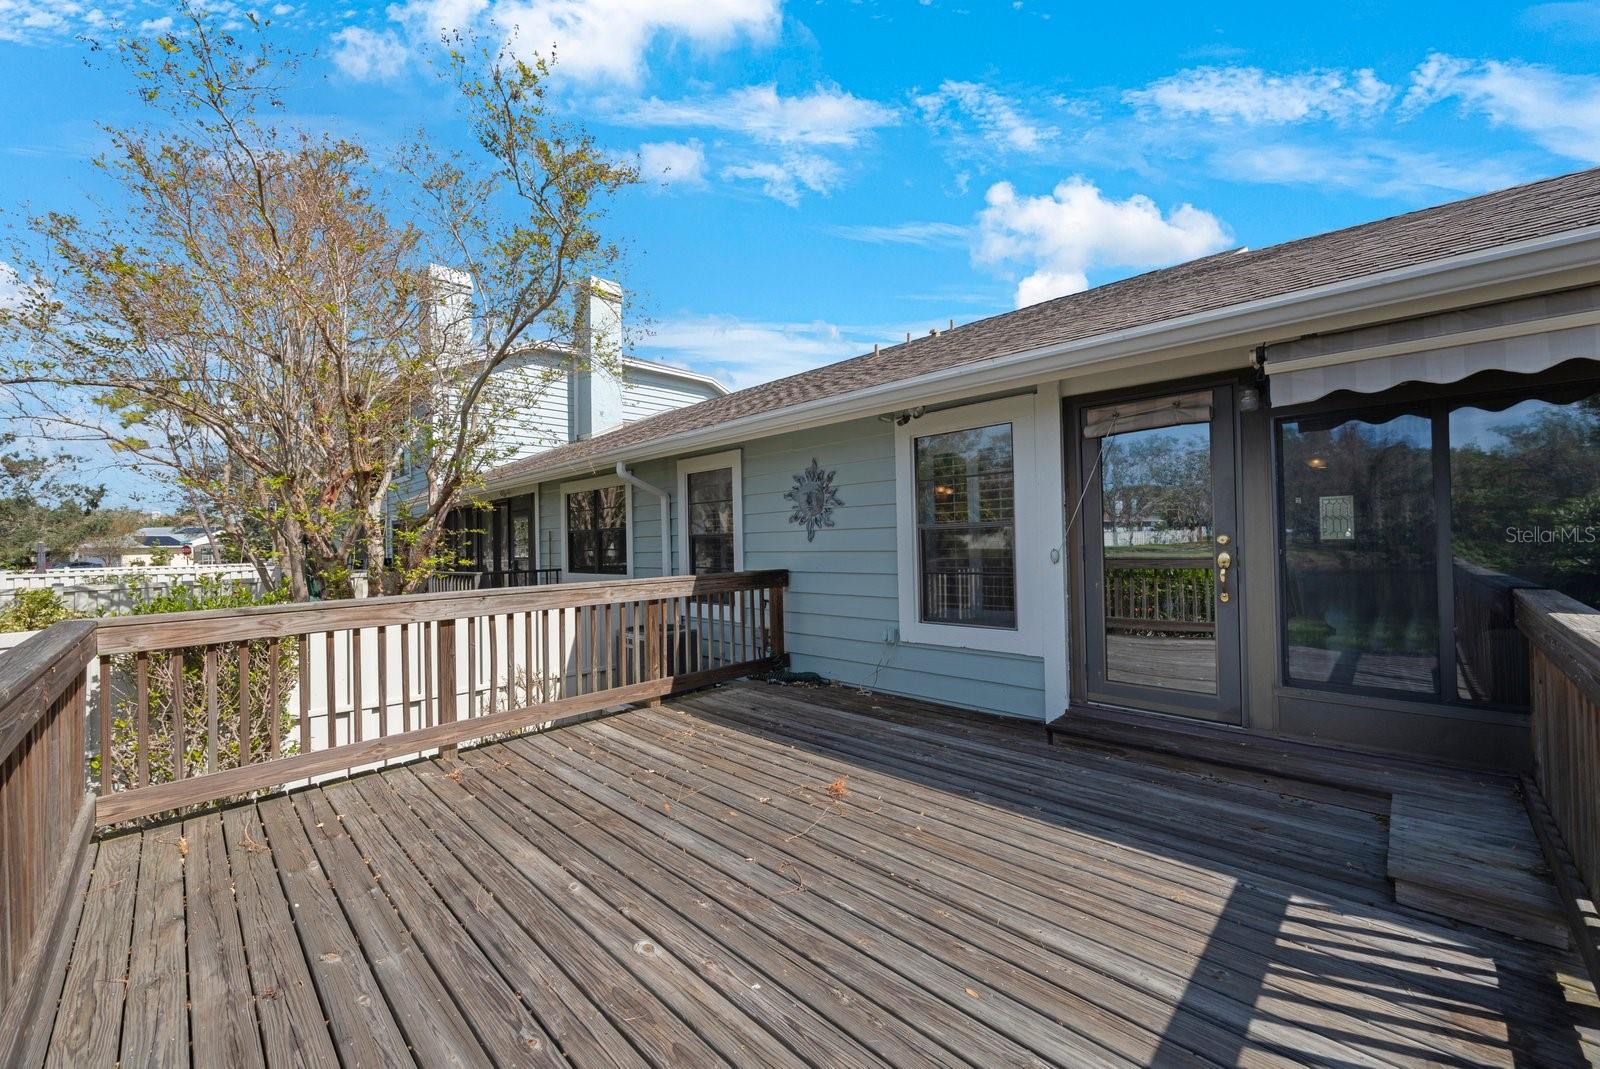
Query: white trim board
x=732 y=458
x=569 y=576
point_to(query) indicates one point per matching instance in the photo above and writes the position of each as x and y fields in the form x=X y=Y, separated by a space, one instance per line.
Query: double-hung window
x=710 y=515
x=596 y=520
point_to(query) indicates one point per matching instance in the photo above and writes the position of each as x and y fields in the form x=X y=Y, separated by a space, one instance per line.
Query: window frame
x=1033 y=582
x=1436 y=403
x=567 y=574
x=732 y=459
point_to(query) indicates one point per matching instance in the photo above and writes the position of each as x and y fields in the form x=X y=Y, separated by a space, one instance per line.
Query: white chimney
x=447 y=304
x=596 y=389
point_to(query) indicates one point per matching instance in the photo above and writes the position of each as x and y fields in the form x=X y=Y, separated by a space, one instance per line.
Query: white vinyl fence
x=117 y=590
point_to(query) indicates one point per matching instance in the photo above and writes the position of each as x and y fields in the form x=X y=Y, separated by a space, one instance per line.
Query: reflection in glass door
x=1160 y=605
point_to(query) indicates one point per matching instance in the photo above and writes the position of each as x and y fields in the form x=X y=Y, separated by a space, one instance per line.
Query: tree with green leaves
x=42 y=503
x=258 y=317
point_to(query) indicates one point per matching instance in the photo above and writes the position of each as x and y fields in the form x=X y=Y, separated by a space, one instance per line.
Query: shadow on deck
x=759 y=875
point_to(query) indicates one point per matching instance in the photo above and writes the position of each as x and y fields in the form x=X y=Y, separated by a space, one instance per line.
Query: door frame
x=1229 y=707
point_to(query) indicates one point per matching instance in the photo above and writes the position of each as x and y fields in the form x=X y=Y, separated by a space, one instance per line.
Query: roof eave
x=1501 y=264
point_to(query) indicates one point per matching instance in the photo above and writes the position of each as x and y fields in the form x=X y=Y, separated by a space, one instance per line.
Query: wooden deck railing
x=46 y=816
x=203 y=706
x=1155 y=593
x=1564 y=660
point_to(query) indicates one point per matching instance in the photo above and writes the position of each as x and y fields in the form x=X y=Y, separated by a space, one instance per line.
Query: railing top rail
x=35 y=673
x=1567 y=631
x=131 y=634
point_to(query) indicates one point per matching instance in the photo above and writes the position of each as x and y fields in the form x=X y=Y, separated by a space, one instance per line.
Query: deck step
x=1481 y=866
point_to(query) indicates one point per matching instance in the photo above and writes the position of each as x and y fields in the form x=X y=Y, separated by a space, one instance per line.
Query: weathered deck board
x=222 y=1024
x=678 y=886
x=1119 y=939
x=1136 y=927
x=155 y=1023
x=88 y=1026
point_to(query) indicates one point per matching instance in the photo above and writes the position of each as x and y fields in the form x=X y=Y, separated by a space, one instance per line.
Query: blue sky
x=825 y=174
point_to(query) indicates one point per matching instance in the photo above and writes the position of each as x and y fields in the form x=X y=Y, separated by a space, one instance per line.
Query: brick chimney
x=596 y=388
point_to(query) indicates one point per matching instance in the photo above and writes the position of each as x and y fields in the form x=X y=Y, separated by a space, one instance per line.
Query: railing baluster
x=356 y=706
x=275 y=698
x=179 y=746
x=107 y=704
x=561 y=651
x=213 y=719
x=246 y=742
x=142 y=708
x=329 y=662
x=447 y=677
x=405 y=677
x=426 y=668
x=383 y=680
x=303 y=668
x=472 y=666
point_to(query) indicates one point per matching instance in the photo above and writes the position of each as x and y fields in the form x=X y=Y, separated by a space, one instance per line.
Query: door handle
x=1224 y=562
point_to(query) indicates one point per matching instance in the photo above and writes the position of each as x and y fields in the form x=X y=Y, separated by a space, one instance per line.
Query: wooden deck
x=781 y=876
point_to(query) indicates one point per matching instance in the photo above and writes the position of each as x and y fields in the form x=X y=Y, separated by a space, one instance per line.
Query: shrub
x=203 y=697
x=35 y=610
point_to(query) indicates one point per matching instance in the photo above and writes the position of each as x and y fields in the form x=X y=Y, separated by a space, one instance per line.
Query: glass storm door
x=1160 y=605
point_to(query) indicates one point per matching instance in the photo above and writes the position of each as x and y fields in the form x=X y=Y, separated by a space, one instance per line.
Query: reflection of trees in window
x=966 y=526
x=1361 y=610
x=1525 y=492
x=1157 y=484
x=597 y=531
x=711 y=521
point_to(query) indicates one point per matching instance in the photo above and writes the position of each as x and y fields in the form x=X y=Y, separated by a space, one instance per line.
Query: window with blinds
x=966 y=527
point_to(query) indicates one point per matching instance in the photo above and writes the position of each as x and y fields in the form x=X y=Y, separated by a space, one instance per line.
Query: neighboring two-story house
x=556 y=396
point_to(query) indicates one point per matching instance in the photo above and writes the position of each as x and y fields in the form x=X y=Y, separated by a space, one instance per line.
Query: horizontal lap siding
x=843 y=593
x=842 y=586
x=645 y=393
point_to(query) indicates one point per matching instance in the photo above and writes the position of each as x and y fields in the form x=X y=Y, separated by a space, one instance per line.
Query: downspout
x=666 y=508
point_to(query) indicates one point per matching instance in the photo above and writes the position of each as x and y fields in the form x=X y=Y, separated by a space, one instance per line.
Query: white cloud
x=367 y=55
x=825 y=116
x=31 y=22
x=786 y=179
x=998 y=118
x=599 y=40
x=673 y=163
x=922 y=235
x=1559 y=111
x=1061 y=236
x=1377 y=168
x=1580 y=18
x=10 y=286
x=744 y=352
x=1251 y=96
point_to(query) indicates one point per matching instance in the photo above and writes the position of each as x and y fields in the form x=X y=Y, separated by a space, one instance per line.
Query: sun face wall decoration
x=814 y=499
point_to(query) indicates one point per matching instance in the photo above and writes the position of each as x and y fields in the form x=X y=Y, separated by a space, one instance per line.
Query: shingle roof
x=1534 y=210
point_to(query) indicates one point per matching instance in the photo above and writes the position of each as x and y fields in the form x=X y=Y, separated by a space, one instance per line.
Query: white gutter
x=1265 y=320
x=666 y=502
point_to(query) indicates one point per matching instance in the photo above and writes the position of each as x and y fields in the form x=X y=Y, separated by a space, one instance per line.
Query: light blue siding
x=843 y=589
x=646 y=392
x=843 y=600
